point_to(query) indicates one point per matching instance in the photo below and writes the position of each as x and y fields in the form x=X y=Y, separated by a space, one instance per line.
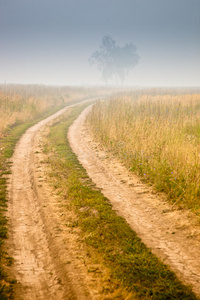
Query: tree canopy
x=114 y=61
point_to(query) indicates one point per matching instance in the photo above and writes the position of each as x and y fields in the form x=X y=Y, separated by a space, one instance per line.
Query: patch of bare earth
x=173 y=235
x=49 y=261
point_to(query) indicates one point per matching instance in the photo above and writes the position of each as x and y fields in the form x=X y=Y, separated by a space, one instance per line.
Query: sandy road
x=39 y=271
x=173 y=235
x=40 y=242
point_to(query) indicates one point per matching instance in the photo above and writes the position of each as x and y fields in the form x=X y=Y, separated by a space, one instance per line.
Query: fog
x=51 y=41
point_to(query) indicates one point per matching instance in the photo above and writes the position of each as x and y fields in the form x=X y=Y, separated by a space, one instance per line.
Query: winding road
x=34 y=242
x=38 y=233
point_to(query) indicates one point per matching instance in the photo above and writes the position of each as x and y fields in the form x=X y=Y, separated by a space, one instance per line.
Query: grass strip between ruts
x=106 y=235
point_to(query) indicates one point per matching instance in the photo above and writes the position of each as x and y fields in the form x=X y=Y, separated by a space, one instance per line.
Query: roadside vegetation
x=157 y=136
x=22 y=103
x=20 y=107
x=133 y=271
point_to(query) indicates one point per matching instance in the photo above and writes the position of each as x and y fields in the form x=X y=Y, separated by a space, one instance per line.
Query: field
x=157 y=136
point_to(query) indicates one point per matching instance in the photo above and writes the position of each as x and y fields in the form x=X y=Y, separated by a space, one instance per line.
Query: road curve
x=34 y=268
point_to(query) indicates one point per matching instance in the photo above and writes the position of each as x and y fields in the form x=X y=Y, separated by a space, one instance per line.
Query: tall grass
x=157 y=137
x=21 y=103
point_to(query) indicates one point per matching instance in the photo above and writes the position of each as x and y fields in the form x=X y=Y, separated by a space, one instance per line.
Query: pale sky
x=50 y=41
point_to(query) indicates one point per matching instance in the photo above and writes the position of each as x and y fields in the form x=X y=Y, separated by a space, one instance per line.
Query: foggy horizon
x=50 y=42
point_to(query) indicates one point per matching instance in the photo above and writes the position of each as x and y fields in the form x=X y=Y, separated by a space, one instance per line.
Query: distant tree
x=114 y=61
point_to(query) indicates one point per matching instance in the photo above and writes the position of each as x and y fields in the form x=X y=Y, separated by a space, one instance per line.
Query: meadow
x=156 y=134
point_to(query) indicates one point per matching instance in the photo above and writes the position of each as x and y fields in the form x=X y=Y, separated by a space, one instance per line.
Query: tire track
x=173 y=235
x=34 y=267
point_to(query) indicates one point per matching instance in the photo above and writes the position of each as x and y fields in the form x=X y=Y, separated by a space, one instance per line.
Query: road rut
x=173 y=235
x=37 y=267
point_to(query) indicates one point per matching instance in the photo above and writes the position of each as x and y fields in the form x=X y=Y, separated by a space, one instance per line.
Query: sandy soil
x=49 y=262
x=173 y=235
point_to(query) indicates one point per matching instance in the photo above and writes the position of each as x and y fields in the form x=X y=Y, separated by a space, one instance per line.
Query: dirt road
x=49 y=262
x=45 y=264
x=174 y=235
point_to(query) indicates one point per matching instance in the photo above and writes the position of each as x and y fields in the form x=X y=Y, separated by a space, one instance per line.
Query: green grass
x=6 y=283
x=106 y=236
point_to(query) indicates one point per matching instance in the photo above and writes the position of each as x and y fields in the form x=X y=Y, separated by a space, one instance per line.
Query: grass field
x=20 y=107
x=157 y=137
x=133 y=271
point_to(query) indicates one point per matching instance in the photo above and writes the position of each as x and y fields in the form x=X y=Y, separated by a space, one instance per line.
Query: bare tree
x=114 y=61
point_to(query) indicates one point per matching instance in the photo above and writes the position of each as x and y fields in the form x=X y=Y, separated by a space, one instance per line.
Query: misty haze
x=50 y=42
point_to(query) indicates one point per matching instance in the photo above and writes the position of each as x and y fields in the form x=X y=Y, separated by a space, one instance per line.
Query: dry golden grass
x=19 y=103
x=158 y=137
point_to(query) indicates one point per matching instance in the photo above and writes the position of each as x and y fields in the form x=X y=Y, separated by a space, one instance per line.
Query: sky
x=50 y=41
